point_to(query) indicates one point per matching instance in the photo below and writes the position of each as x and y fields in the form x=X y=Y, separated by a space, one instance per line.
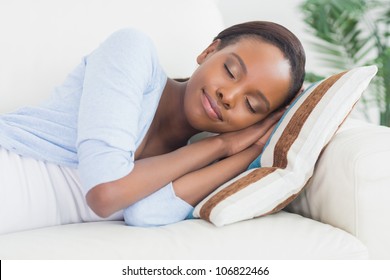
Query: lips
x=211 y=107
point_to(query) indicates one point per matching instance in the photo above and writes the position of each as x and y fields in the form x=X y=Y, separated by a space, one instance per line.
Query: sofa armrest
x=350 y=188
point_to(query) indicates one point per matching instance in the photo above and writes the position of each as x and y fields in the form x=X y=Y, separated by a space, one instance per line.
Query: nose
x=223 y=100
x=227 y=98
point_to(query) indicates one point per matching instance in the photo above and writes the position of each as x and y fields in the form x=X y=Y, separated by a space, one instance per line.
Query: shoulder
x=131 y=34
x=129 y=46
x=132 y=39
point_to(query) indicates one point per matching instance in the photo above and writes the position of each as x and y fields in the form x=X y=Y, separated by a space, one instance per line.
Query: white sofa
x=343 y=214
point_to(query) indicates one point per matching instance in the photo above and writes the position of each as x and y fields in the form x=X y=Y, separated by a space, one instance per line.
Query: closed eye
x=248 y=104
x=228 y=71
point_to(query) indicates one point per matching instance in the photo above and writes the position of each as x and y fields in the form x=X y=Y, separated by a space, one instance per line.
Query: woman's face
x=236 y=86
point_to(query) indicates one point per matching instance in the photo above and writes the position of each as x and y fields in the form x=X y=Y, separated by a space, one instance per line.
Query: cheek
x=241 y=119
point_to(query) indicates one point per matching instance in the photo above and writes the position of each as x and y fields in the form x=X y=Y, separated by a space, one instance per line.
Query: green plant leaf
x=351 y=33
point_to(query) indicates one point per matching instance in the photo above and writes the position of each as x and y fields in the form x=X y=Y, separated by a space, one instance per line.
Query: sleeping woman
x=112 y=141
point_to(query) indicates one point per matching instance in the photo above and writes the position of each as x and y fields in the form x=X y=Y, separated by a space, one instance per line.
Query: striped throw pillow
x=287 y=162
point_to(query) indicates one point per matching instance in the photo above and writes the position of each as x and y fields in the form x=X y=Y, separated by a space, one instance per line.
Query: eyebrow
x=244 y=69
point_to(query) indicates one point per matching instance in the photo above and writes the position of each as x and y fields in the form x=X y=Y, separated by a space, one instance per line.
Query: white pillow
x=287 y=162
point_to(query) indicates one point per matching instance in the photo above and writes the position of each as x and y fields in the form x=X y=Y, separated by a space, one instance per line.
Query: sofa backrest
x=41 y=41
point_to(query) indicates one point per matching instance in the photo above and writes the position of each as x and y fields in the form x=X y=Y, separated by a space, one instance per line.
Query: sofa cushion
x=277 y=176
x=280 y=236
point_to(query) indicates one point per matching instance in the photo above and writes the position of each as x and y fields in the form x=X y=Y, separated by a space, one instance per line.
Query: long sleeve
x=120 y=76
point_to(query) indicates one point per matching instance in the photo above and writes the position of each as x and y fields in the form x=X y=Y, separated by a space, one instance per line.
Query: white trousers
x=36 y=194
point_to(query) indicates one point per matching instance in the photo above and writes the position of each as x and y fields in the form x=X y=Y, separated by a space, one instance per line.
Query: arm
x=184 y=167
x=195 y=186
x=116 y=76
x=151 y=174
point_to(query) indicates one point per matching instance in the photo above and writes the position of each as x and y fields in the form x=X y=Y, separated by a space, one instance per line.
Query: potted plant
x=350 y=33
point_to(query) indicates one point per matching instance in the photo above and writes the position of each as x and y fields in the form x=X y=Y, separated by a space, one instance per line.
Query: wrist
x=253 y=152
x=220 y=146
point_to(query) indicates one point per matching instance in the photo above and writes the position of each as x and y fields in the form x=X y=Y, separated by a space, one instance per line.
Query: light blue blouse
x=98 y=117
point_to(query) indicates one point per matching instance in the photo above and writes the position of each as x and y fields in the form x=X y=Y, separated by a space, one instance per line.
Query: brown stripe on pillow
x=233 y=188
x=292 y=130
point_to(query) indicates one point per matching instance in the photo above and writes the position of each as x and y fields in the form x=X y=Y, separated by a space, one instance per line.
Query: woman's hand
x=258 y=134
x=263 y=139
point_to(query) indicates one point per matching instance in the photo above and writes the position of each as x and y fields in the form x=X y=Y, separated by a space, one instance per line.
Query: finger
x=263 y=139
x=272 y=119
x=279 y=113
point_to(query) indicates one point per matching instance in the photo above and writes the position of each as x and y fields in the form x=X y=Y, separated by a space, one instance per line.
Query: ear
x=208 y=51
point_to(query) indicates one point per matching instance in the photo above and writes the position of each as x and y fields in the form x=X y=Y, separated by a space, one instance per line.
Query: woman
x=114 y=135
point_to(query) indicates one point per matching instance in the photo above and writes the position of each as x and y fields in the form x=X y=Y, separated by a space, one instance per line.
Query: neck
x=172 y=122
